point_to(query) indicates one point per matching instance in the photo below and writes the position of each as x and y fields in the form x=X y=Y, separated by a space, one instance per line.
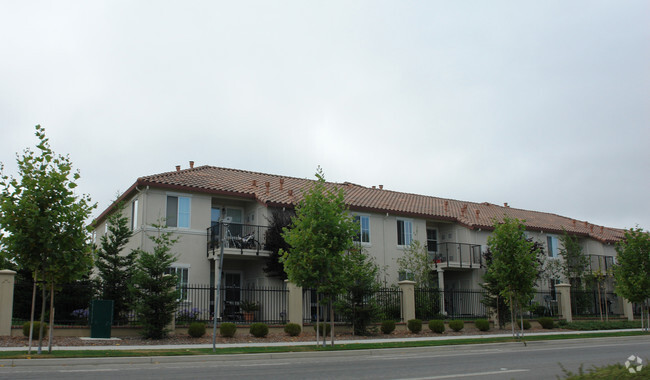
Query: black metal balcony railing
x=460 y=255
x=237 y=236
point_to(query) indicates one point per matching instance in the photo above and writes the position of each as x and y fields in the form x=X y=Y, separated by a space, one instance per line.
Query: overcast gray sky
x=541 y=104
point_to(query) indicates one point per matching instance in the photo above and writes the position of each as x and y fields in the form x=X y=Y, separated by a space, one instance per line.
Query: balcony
x=239 y=238
x=457 y=255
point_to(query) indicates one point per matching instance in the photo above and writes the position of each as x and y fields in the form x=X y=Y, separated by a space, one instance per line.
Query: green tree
x=45 y=221
x=575 y=264
x=514 y=267
x=632 y=273
x=116 y=269
x=280 y=219
x=154 y=286
x=320 y=235
x=358 y=304
x=415 y=263
x=493 y=299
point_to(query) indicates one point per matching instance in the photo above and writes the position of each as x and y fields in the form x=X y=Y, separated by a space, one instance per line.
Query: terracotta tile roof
x=274 y=190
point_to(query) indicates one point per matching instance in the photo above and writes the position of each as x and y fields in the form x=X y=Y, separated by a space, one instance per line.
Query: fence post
x=565 y=301
x=628 y=311
x=441 y=288
x=6 y=300
x=295 y=303
x=408 y=300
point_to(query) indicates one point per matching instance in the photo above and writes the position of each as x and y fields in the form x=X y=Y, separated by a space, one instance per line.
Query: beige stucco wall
x=191 y=247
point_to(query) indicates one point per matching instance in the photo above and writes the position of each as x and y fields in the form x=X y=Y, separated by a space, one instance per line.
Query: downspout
x=383 y=237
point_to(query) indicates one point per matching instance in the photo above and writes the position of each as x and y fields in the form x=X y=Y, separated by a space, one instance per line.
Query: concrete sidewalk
x=309 y=343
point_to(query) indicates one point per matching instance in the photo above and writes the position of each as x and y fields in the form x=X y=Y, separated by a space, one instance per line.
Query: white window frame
x=359 y=238
x=407 y=231
x=134 y=214
x=553 y=249
x=175 y=268
x=186 y=215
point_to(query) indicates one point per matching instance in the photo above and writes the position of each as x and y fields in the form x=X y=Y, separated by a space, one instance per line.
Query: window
x=363 y=236
x=182 y=274
x=406 y=275
x=134 y=215
x=178 y=211
x=552 y=245
x=404 y=232
x=432 y=240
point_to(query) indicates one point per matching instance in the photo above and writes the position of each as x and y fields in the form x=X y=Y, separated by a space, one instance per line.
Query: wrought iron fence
x=312 y=310
x=387 y=302
x=591 y=303
x=71 y=302
x=433 y=303
x=544 y=304
x=237 y=305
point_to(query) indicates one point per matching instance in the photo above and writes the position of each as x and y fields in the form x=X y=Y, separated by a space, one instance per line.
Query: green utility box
x=101 y=318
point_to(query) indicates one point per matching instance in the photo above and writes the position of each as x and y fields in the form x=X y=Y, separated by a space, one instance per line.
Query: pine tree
x=115 y=269
x=155 y=288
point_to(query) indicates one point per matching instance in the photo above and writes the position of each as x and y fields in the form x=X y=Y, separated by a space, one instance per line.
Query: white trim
x=412 y=237
x=178 y=201
x=363 y=243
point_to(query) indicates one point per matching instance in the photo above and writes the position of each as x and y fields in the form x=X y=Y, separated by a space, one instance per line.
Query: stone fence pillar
x=628 y=311
x=408 y=300
x=294 y=303
x=7 y=278
x=565 y=301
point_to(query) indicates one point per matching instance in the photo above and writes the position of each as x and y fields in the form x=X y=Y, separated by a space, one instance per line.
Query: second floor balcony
x=237 y=238
x=456 y=255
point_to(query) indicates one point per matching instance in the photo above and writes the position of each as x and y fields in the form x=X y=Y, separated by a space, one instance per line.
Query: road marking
x=261 y=364
x=89 y=370
x=467 y=375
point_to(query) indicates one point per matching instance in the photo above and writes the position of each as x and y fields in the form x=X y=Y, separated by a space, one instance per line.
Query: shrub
x=228 y=329
x=526 y=324
x=482 y=324
x=323 y=327
x=188 y=315
x=387 y=326
x=414 y=325
x=259 y=330
x=437 y=326
x=546 y=322
x=456 y=325
x=293 y=329
x=37 y=326
x=196 y=329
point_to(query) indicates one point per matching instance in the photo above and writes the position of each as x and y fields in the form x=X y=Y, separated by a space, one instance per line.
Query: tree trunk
x=521 y=322
x=40 y=330
x=332 y=322
x=49 y=341
x=317 y=318
x=600 y=304
x=324 y=329
x=31 y=316
x=512 y=317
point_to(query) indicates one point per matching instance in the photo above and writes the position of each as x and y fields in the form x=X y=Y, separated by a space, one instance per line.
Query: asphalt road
x=536 y=360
